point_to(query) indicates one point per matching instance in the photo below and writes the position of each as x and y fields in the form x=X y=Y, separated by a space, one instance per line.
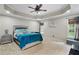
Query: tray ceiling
x=23 y=10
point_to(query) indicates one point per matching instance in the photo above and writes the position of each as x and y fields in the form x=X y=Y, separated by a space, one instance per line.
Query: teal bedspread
x=28 y=38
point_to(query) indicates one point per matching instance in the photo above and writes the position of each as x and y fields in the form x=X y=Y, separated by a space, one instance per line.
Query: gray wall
x=56 y=30
x=8 y=22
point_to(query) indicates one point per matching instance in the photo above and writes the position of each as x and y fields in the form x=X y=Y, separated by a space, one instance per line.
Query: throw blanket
x=27 y=38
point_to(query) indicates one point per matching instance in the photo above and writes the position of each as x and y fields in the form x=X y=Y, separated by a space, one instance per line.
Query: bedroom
x=48 y=24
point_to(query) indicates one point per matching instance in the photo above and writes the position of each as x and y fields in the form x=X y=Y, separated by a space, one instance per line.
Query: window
x=71 y=30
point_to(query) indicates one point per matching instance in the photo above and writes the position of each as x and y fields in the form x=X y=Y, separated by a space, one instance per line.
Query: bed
x=25 y=39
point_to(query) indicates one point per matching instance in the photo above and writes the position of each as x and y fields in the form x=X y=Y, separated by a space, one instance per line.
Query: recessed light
x=7 y=12
x=68 y=11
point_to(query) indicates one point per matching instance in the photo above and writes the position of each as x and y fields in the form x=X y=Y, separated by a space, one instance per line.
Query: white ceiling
x=53 y=10
x=24 y=8
x=74 y=8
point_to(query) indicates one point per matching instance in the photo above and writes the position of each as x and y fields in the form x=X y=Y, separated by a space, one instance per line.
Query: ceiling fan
x=37 y=8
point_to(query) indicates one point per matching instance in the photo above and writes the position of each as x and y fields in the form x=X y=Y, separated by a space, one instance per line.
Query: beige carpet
x=46 y=48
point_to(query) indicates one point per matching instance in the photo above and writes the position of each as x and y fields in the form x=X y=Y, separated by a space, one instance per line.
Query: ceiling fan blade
x=42 y=10
x=36 y=6
x=40 y=5
x=31 y=7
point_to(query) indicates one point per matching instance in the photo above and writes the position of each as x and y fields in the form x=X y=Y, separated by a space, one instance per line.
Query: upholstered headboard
x=19 y=27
